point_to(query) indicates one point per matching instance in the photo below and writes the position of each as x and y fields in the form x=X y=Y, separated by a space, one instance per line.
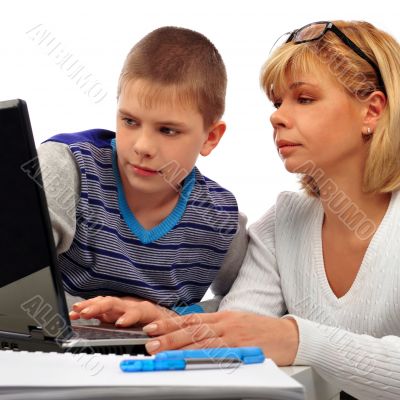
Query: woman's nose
x=280 y=117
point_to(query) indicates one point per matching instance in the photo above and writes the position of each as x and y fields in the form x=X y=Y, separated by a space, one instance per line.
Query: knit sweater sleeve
x=364 y=366
x=61 y=180
x=257 y=287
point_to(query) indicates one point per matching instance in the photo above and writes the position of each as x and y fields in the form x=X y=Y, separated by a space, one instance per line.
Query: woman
x=320 y=282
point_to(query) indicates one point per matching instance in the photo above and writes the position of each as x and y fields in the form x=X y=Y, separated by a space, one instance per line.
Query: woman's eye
x=305 y=100
x=168 y=131
x=277 y=104
x=129 y=121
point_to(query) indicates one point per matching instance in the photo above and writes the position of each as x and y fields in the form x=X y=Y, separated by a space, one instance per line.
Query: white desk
x=316 y=388
x=93 y=377
x=50 y=376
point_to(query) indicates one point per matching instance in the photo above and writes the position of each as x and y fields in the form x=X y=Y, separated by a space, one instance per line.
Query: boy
x=143 y=223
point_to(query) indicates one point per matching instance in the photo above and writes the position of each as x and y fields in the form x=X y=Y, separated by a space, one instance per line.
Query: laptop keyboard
x=93 y=332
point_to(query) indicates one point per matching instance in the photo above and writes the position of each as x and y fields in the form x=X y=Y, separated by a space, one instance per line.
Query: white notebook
x=57 y=375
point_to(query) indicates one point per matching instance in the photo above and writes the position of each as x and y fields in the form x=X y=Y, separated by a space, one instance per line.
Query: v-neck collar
x=365 y=266
x=150 y=235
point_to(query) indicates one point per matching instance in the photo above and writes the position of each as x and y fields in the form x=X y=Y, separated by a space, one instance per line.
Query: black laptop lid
x=31 y=295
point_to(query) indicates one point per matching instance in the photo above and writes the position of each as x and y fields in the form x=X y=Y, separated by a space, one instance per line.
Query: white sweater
x=351 y=341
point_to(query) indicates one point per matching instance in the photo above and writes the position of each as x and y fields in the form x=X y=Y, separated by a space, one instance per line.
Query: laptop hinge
x=36 y=332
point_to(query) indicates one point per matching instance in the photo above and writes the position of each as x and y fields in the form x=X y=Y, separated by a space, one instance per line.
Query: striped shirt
x=112 y=254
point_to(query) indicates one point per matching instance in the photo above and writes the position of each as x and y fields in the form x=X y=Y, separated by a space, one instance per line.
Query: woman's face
x=317 y=124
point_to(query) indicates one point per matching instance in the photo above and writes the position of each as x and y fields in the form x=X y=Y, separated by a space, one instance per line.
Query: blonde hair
x=183 y=61
x=382 y=168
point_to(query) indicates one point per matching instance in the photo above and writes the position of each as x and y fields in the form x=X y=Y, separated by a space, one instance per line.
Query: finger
x=78 y=307
x=141 y=313
x=183 y=337
x=92 y=311
x=107 y=318
x=174 y=322
x=129 y=318
x=73 y=315
x=105 y=305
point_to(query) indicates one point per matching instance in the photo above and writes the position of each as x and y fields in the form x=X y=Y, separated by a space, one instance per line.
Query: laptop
x=33 y=308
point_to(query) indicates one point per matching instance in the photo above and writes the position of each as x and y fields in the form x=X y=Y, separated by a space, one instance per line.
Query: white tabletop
x=316 y=388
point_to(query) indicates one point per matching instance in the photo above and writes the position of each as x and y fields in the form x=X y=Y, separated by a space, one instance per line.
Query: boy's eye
x=168 y=131
x=129 y=121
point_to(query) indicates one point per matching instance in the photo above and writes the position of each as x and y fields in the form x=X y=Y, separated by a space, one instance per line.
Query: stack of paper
x=94 y=376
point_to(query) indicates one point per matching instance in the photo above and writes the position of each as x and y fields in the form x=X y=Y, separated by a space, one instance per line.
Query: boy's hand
x=124 y=311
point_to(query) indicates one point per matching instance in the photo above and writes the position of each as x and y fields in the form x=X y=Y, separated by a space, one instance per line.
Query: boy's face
x=158 y=143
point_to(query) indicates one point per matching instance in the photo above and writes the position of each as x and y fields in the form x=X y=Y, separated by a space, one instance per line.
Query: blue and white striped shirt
x=112 y=254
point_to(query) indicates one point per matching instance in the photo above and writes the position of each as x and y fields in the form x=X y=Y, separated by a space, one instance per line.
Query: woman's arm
x=257 y=288
x=364 y=366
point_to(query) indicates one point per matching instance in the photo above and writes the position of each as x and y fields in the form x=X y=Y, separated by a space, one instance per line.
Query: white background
x=99 y=34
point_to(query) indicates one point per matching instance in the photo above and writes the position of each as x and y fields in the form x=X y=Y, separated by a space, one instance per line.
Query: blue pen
x=154 y=364
x=248 y=355
x=173 y=360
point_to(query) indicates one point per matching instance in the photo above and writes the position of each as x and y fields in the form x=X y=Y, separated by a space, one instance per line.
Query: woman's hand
x=277 y=337
x=124 y=311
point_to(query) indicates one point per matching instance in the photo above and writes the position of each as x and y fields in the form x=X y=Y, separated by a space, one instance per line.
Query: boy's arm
x=230 y=267
x=233 y=260
x=61 y=180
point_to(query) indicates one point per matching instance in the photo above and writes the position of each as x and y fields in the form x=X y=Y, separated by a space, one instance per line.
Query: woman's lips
x=286 y=147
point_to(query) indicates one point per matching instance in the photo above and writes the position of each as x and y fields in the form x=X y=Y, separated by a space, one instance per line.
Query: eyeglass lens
x=309 y=32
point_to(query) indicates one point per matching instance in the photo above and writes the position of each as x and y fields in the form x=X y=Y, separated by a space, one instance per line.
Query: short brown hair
x=184 y=60
x=382 y=169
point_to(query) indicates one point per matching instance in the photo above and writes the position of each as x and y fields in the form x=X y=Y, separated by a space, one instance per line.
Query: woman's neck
x=349 y=210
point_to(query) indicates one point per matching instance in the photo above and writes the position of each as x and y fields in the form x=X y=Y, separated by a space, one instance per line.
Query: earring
x=367 y=136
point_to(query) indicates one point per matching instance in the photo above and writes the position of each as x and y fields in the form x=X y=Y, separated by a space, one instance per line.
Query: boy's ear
x=215 y=133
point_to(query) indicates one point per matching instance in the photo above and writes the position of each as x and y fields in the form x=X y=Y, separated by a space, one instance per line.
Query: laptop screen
x=28 y=286
x=23 y=240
